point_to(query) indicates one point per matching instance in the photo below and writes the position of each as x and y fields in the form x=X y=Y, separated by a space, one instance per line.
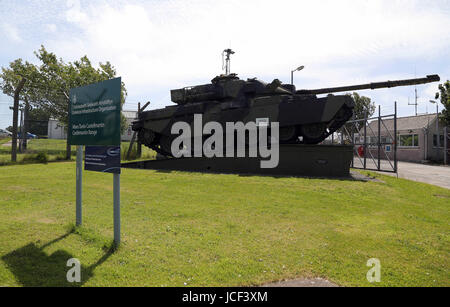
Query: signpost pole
x=79 y=184
x=116 y=196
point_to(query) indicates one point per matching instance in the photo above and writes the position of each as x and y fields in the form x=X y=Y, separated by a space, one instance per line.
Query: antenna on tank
x=226 y=60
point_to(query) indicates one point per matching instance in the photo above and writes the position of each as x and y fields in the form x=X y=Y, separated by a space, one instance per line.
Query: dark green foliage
x=444 y=94
x=364 y=106
x=40 y=157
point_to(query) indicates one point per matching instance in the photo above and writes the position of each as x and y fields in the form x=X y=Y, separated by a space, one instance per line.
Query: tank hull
x=292 y=112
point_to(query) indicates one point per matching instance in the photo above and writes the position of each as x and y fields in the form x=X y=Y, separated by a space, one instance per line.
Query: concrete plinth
x=295 y=160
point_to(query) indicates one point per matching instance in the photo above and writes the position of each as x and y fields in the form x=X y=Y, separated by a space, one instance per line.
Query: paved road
x=432 y=174
x=437 y=175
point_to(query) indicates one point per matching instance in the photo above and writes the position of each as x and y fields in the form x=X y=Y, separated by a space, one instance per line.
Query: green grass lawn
x=56 y=151
x=220 y=230
x=4 y=140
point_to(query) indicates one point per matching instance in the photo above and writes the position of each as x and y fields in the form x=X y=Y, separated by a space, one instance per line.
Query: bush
x=41 y=157
x=124 y=151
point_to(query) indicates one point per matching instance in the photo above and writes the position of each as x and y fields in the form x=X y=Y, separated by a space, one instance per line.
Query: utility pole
x=415 y=101
x=15 y=115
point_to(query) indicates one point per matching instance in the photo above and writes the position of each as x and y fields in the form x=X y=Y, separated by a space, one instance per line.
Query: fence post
x=395 y=137
x=352 y=141
x=365 y=140
x=379 y=137
x=446 y=150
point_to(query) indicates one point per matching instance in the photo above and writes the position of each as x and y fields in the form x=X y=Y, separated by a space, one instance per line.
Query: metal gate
x=374 y=142
x=446 y=145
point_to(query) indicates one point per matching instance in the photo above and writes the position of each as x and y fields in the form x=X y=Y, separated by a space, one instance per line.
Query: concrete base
x=295 y=160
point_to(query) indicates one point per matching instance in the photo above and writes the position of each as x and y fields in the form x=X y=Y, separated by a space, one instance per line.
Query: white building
x=128 y=133
x=57 y=131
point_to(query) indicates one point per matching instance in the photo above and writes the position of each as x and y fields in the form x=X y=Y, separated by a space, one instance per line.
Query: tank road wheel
x=165 y=144
x=313 y=133
x=288 y=134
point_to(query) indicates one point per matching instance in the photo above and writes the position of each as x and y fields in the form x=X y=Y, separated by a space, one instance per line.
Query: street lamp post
x=292 y=73
x=438 y=142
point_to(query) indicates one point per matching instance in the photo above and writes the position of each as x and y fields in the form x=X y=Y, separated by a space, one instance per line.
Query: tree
x=58 y=77
x=48 y=83
x=11 y=76
x=364 y=108
x=17 y=82
x=444 y=94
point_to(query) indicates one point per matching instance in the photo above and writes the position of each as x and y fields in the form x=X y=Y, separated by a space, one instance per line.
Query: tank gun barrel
x=375 y=85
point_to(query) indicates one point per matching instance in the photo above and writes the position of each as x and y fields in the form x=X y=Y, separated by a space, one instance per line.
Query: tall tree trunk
x=21 y=132
x=68 y=149
x=25 y=124
x=15 y=115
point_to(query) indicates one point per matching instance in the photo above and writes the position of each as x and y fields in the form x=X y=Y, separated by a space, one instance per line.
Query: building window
x=408 y=140
x=373 y=140
x=386 y=140
x=441 y=140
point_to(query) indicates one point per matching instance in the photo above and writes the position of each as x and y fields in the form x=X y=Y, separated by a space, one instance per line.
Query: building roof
x=403 y=123
x=129 y=114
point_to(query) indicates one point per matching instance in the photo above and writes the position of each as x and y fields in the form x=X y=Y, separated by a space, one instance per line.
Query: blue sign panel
x=102 y=159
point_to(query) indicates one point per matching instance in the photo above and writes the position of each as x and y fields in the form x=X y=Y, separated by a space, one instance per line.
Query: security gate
x=446 y=145
x=374 y=142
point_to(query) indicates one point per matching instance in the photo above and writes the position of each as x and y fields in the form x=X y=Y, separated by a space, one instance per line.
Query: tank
x=303 y=117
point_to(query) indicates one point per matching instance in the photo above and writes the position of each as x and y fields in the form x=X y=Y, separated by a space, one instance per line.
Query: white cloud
x=165 y=44
x=51 y=27
x=11 y=32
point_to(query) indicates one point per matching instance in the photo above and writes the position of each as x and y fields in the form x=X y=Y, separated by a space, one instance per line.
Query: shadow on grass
x=32 y=267
x=141 y=165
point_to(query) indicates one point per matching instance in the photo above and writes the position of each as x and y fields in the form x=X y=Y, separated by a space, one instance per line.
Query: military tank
x=303 y=117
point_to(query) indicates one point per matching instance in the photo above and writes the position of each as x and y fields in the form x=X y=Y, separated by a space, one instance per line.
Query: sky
x=166 y=44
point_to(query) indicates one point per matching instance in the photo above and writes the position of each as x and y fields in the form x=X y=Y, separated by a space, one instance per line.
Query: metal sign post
x=106 y=159
x=79 y=185
x=94 y=119
x=116 y=200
